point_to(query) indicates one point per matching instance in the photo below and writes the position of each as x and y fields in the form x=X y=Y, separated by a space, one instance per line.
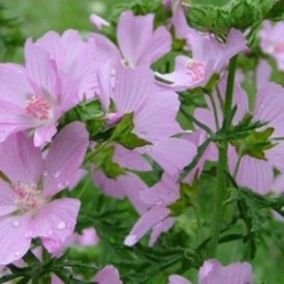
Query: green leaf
x=104 y=160
x=124 y=136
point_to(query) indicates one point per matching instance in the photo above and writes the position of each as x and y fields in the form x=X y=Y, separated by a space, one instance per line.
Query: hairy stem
x=220 y=192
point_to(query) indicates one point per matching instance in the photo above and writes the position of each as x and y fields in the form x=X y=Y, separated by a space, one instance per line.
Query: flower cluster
x=138 y=134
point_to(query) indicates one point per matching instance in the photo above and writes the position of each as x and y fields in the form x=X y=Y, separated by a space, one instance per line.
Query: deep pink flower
x=27 y=210
x=209 y=56
x=272 y=41
x=212 y=272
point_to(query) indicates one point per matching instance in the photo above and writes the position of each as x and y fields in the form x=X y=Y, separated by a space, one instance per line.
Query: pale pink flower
x=26 y=206
x=40 y=97
x=139 y=44
x=212 y=272
x=268 y=108
x=272 y=41
x=157 y=217
x=209 y=56
x=73 y=57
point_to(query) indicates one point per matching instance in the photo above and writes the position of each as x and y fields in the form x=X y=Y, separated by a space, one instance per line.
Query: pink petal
x=13 y=238
x=214 y=273
x=130 y=159
x=64 y=157
x=99 y=22
x=127 y=185
x=146 y=222
x=108 y=275
x=20 y=160
x=55 y=223
x=260 y=175
x=88 y=237
x=11 y=92
x=162 y=227
x=171 y=154
x=133 y=35
x=7 y=199
x=153 y=125
x=130 y=91
x=160 y=44
x=40 y=70
x=269 y=107
x=44 y=134
x=176 y=279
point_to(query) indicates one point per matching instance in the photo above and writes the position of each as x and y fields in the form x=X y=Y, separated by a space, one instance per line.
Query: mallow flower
x=73 y=57
x=139 y=43
x=212 y=272
x=209 y=56
x=157 y=218
x=272 y=41
x=38 y=99
x=154 y=118
x=30 y=180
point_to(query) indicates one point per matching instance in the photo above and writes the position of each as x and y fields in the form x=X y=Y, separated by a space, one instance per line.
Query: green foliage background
x=36 y=17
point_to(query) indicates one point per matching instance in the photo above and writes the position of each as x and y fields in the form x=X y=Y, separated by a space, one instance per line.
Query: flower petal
x=64 y=157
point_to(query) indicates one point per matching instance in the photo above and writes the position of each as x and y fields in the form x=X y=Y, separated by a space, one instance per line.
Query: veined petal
x=20 y=160
x=14 y=241
x=64 y=157
x=55 y=223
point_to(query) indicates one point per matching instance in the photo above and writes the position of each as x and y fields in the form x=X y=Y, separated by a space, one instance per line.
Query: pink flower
x=40 y=97
x=108 y=275
x=272 y=41
x=26 y=207
x=209 y=56
x=212 y=272
x=157 y=217
x=139 y=43
x=268 y=108
x=77 y=63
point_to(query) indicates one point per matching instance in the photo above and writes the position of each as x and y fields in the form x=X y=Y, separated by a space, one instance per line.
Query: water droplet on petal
x=61 y=225
x=50 y=232
x=59 y=185
x=16 y=223
x=17 y=253
x=57 y=174
x=45 y=173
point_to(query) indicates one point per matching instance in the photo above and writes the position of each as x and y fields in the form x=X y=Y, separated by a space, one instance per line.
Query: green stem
x=221 y=189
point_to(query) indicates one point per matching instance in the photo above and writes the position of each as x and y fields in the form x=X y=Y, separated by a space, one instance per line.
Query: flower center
x=196 y=70
x=38 y=107
x=28 y=197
